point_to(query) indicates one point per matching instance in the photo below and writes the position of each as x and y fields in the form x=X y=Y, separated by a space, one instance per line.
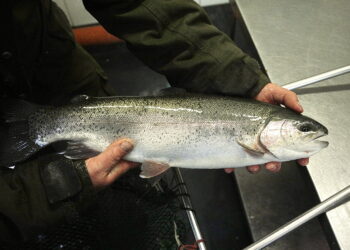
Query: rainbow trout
x=185 y=132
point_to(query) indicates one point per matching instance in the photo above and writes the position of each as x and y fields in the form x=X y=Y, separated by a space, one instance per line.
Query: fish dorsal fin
x=80 y=98
x=172 y=91
x=79 y=150
x=151 y=168
x=251 y=145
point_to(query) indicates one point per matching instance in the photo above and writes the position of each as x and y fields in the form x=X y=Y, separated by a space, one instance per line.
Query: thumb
x=114 y=153
x=290 y=100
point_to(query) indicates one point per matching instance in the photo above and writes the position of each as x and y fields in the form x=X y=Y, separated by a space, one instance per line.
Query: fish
x=168 y=131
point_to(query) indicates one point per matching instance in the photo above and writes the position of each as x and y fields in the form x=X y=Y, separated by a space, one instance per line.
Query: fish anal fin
x=151 y=168
x=79 y=150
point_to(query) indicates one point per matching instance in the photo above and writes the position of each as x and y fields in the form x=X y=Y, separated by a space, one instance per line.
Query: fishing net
x=131 y=214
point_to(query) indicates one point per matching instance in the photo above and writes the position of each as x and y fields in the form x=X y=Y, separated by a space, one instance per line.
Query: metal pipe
x=317 y=78
x=189 y=210
x=325 y=206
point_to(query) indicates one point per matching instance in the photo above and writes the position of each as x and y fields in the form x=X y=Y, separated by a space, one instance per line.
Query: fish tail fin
x=15 y=143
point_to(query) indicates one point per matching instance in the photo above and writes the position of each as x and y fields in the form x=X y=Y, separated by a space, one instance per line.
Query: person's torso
x=39 y=58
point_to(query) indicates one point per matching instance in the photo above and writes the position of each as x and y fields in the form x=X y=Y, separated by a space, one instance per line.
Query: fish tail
x=15 y=142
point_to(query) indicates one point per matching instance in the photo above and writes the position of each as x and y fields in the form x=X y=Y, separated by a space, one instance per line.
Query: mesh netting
x=132 y=214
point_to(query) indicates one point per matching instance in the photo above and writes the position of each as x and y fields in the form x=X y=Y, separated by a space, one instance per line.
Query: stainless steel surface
x=325 y=206
x=189 y=210
x=272 y=199
x=317 y=78
x=296 y=39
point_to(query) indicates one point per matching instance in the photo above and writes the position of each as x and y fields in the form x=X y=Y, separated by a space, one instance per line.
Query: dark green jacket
x=176 y=38
x=41 y=62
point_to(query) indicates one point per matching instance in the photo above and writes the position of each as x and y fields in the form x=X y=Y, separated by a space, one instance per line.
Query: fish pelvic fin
x=151 y=169
x=79 y=150
x=15 y=143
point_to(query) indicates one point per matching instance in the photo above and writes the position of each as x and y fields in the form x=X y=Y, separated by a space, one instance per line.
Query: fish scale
x=186 y=131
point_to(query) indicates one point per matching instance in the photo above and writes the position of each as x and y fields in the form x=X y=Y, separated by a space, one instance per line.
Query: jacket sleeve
x=176 y=38
x=38 y=194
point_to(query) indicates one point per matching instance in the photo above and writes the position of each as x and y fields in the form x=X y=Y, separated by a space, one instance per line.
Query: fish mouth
x=320 y=134
x=322 y=144
x=315 y=145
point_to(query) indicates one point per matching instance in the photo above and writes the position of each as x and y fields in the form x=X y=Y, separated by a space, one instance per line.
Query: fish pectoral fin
x=79 y=150
x=151 y=168
x=252 y=147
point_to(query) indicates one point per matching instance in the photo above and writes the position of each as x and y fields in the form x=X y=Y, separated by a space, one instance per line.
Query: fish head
x=290 y=136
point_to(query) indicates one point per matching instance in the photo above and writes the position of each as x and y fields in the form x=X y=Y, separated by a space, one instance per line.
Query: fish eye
x=305 y=128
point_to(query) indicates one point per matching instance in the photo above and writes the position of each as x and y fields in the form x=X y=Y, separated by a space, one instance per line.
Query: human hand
x=275 y=94
x=108 y=166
